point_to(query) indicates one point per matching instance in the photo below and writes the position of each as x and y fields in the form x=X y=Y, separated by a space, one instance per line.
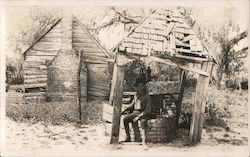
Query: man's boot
x=128 y=138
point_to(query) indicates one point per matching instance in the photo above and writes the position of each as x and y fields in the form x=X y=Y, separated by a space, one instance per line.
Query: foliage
x=221 y=39
x=41 y=21
x=224 y=108
x=160 y=72
x=131 y=74
x=13 y=76
x=217 y=109
x=231 y=61
x=187 y=13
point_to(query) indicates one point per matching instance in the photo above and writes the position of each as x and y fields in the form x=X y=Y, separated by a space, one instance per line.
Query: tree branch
x=119 y=17
x=130 y=19
x=236 y=39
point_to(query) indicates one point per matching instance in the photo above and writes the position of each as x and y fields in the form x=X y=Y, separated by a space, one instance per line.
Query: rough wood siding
x=99 y=81
x=98 y=74
x=35 y=70
x=81 y=40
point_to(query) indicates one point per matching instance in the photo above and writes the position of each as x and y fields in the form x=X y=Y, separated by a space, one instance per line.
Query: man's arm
x=130 y=106
x=147 y=109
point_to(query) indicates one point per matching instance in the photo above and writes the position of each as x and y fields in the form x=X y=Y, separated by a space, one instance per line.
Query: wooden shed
x=165 y=37
x=51 y=63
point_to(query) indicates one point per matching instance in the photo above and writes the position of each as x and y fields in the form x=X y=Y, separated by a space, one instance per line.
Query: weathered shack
x=51 y=63
x=165 y=37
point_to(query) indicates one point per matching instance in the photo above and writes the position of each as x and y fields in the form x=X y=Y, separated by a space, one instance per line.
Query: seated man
x=141 y=107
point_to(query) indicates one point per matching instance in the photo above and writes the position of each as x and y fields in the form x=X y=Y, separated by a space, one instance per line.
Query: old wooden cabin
x=51 y=64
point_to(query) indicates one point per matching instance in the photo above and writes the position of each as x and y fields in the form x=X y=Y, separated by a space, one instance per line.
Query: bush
x=13 y=76
x=56 y=113
x=217 y=108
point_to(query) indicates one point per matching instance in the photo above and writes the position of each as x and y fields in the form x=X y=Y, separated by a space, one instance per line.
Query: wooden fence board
x=86 y=45
x=88 y=52
x=42 y=53
x=35 y=80
x=100 y=89
x=82 y=40
x=35 y=85
x=47 y=46
x=41 y=59
x=95 y=93
x=51 y=39
x=53 y=35
x=35 y=72
x=34 y=76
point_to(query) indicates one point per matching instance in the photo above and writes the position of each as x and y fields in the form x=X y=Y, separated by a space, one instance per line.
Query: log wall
x=35 y=69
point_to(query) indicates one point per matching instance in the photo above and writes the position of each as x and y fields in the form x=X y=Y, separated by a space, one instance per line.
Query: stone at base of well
x=160 y=129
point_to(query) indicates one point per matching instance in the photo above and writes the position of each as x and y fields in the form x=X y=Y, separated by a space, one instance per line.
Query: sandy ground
x=68 y=140
x=26 y=139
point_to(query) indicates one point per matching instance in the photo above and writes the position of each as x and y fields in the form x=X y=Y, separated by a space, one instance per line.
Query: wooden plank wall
x=98 y=80
x=98 y=73
x=35 y=70
x=81 y=40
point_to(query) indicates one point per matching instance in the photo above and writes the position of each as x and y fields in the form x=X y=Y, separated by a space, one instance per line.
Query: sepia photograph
x=124 y=78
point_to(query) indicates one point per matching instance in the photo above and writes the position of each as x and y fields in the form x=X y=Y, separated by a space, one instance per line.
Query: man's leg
x=136 y=131
x=144 y=130
x=127 y=119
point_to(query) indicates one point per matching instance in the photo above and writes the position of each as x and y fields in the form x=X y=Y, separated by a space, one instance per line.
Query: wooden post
x=117 y=101
x=199 y=107
x=113 y=81
x=211 y=66
x=79 y=86
x=179 y=101
x=88 y=82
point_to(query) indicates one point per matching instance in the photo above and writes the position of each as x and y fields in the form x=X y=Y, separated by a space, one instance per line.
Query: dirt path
x=38 y=139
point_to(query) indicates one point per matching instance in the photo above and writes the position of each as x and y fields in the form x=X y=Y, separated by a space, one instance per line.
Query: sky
x=17 y=16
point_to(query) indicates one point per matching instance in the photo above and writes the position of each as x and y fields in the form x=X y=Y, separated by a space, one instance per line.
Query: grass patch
x=224 y=107
x=55 y=113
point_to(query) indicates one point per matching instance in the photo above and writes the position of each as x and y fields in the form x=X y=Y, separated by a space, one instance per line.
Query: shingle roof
x=167 y=34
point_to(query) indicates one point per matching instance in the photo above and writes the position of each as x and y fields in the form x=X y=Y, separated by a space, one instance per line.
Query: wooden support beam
x=199 y=108
x=195 y=59
x=179 y=101
x=117 y=102
x=79 y=86
x=184 y=67
x=97 y=58
x=113 y=83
